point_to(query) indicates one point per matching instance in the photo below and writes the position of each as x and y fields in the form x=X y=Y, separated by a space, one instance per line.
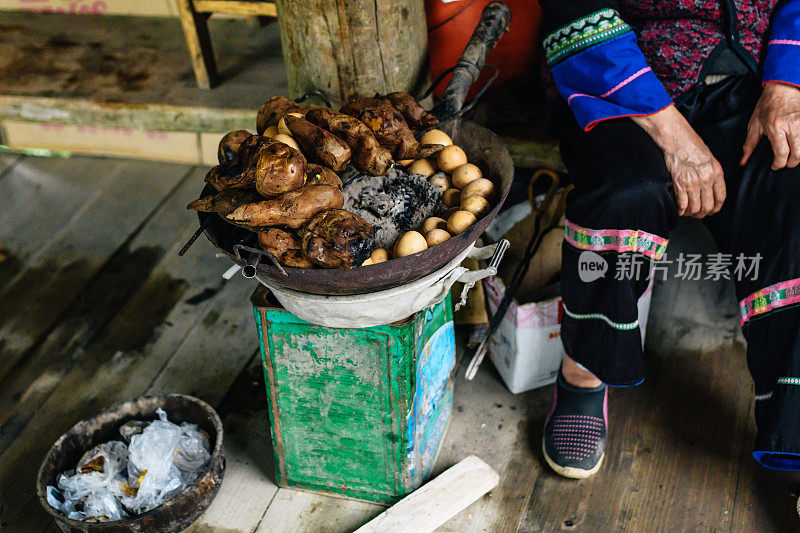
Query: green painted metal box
x=356 y=412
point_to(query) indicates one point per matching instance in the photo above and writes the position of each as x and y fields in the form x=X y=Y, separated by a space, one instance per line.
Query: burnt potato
x=319 y=145
x=337 y=239
x=229 y=145
x=389 y=127
x=369 y=157
x=276 y=168
x=273 y=110
x=229 y=175
x=415 y=115
x=292 y=209
x=285 y=246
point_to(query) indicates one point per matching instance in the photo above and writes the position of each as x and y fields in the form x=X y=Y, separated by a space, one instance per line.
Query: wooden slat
x=235 y=7
x=70 y=254
x=118 y=366
x=438 y=500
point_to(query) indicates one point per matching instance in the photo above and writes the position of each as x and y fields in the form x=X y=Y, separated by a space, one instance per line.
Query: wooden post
x=348 y=48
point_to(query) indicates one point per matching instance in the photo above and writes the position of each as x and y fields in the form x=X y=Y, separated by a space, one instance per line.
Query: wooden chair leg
x=198 y=40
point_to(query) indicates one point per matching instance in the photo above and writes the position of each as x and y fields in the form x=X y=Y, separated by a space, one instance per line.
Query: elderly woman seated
x=676 y=108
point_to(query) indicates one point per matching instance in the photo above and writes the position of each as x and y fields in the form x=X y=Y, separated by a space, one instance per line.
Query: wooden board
x=435 y=502
x=243 y=7
x=68 y=256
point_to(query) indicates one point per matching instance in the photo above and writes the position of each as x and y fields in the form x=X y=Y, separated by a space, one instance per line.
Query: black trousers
x=620 y=214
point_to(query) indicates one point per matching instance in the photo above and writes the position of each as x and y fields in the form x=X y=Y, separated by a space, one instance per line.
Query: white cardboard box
x=527 y=349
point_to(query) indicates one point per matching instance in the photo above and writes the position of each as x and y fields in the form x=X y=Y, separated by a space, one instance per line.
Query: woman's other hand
x=697 y=176
x=777 y=115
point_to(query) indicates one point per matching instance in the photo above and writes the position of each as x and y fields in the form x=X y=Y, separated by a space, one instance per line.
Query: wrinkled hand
x=777 y=115
x=697 y=176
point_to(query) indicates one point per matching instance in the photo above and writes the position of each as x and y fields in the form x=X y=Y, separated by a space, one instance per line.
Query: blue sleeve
x=783 y=49
x=600 y=71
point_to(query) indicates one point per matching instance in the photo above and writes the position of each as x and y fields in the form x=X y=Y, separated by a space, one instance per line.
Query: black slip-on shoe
x=575 y=432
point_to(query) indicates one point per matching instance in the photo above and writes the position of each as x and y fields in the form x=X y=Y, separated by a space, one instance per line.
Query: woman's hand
x=777 y=115
x=696 y=174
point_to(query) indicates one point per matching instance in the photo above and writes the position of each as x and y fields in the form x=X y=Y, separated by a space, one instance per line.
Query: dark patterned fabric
x=582 y=33
x=676 y=36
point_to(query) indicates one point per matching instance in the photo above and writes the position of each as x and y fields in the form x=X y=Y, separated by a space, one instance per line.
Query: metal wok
x=482 y=147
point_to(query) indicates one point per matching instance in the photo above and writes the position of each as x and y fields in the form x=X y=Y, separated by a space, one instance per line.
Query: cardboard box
x=172 y=146
x=527 y=349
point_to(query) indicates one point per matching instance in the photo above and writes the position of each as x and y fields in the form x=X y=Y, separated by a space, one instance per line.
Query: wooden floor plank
x=247 y=487
x=30 y=383
x=55 y=275
x=490 y=422
x=294 y=511
x=7 y=161
x=131 y=354
x=674 y=457
x=39 y=196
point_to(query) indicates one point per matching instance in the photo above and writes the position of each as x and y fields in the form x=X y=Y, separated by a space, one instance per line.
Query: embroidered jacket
x=617 y=58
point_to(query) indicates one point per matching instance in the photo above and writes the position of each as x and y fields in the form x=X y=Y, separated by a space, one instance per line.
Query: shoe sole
x=570 y=471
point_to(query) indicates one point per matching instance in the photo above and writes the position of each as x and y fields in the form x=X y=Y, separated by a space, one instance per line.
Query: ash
x=395 y=203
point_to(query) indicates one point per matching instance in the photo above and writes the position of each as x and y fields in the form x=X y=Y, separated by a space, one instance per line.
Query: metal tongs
x=547 y=215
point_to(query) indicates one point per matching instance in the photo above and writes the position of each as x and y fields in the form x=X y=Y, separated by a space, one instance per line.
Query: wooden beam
x=236 y=7
x=198 y=40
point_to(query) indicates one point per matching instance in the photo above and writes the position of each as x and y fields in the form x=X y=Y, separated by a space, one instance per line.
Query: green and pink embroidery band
x=776 y=296
x=616 y=240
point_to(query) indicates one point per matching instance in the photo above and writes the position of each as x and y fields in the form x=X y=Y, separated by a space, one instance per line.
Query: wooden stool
x=194 y=20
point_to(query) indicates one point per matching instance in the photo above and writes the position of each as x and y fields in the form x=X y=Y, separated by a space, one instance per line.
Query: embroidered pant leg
x=761 y=216
x=620 y=215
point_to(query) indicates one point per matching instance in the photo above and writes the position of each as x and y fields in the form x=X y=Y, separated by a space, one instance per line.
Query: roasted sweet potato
x=276 y=168
x=337 y=239
x=225 y=202
x=286 y=247
x=319 y=145
x=229 y=145
x=322 y=175
x=272 y=110
x=415 y=115
x=292 y=209
x=229 y=175
x=389 y=127
x=369 y=157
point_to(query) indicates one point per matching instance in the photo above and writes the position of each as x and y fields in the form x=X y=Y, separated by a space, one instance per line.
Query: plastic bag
x=95 y=471
x=103 y=506
x=112 y=480
x=129 y=429
x=191 y=454
x=164 y=458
